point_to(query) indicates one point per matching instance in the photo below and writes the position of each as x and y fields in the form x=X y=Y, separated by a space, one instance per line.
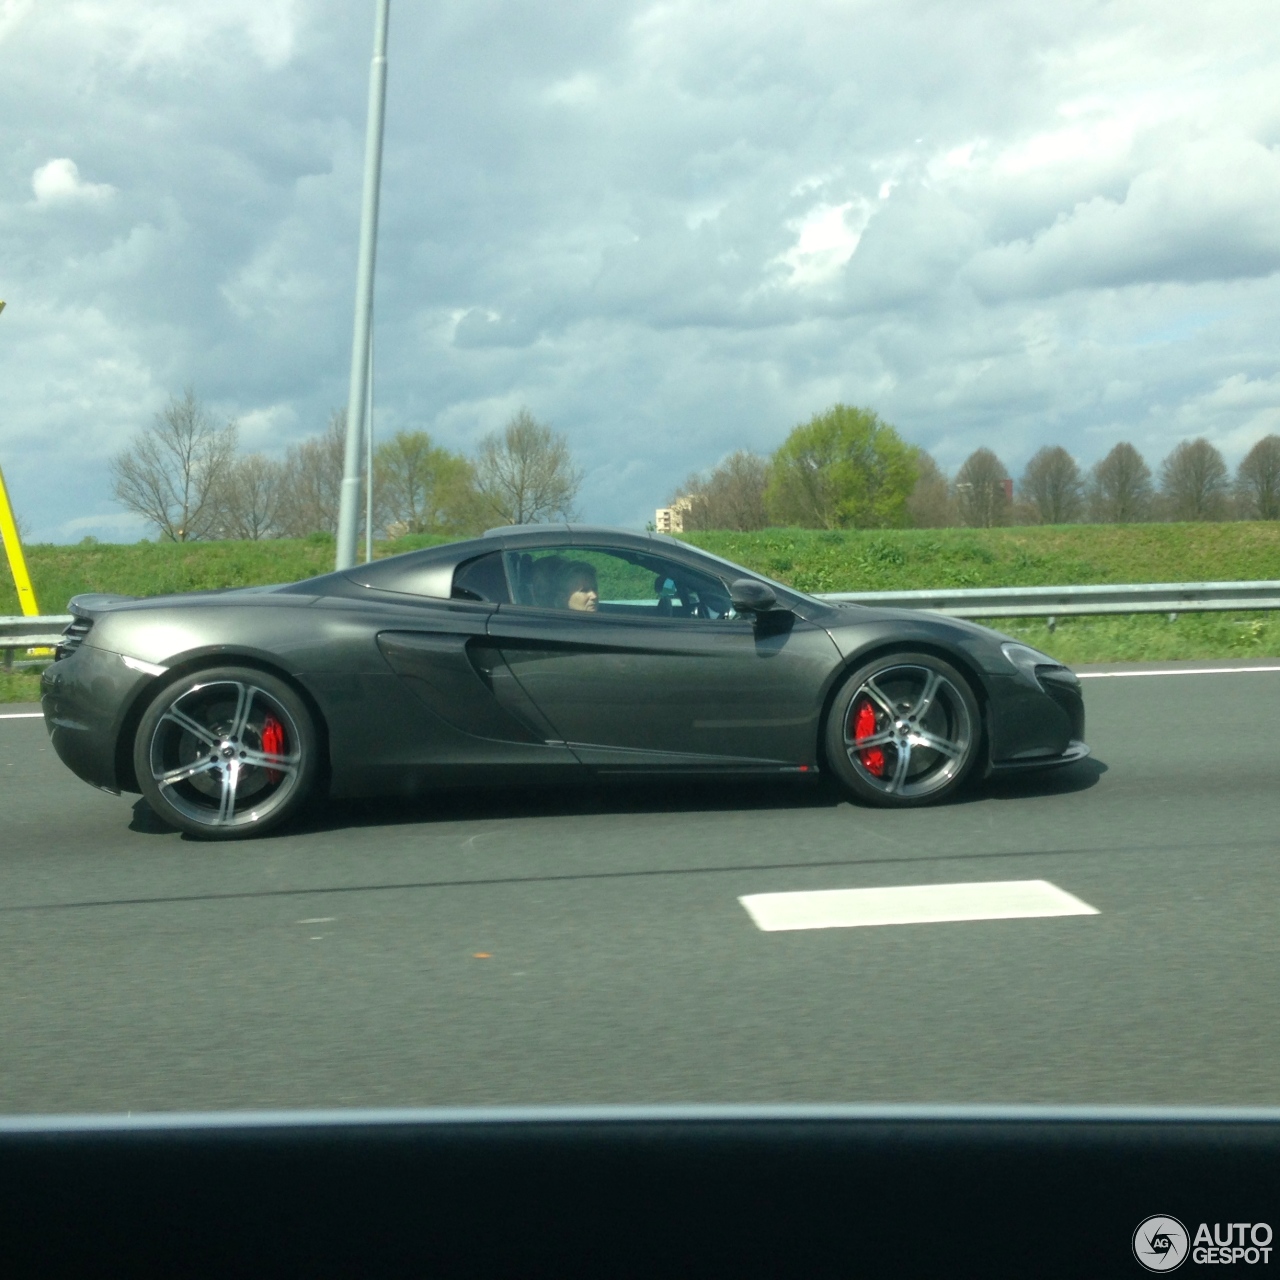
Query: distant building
x=671 y=519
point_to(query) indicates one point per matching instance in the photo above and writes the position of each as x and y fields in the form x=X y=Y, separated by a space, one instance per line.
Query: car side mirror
x=749 y=596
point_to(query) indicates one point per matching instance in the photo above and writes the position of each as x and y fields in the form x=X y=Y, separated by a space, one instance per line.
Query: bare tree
x=251 y=498
x=420 y=488
x=311 y=486
x=731 y=496
x=1120 y=487
x=1053 y=485
x=1258 y=481
x=173 y=473
x=525 y=472
x=1193 y=482
x=929 y=504
x=982 y=490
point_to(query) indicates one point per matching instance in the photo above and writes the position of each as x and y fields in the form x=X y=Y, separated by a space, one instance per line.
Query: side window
x=625 y=583
x=482 y=579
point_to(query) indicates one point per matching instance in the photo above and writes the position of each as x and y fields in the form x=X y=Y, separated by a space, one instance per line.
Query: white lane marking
x=318 y=920
x=1176 y=671
x=22 y=715
x=912 y=904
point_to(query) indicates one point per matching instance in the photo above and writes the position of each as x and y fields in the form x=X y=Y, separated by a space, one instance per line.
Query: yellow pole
x=17 y=561
x=13 y=548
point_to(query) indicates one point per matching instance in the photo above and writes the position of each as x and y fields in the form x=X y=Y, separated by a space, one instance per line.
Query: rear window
x=482 y=579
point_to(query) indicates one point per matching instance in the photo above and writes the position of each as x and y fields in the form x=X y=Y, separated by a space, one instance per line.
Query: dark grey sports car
x=535 y=651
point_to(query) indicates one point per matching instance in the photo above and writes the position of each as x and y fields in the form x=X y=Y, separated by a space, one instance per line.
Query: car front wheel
x=226 y=753
x=904 y=730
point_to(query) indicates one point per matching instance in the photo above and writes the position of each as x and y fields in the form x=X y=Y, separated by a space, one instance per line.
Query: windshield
x=732 y=571
x=318 y=797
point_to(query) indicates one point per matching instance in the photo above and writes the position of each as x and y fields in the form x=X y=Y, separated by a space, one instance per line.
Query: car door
x=660 y=673
x=476 y=710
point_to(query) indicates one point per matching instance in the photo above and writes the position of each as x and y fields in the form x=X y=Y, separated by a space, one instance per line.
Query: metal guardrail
x=25 y=633
x=30 y=633
x=1171 y=598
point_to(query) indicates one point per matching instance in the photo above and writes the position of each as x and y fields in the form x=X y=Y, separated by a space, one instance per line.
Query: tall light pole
x=368 y=464
x=357 y=396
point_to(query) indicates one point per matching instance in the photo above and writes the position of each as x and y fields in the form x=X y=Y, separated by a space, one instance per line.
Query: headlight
x=1030 y=662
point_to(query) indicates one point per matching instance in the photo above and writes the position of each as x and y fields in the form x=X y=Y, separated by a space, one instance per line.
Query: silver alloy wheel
x=907 y=731
x=225 y=754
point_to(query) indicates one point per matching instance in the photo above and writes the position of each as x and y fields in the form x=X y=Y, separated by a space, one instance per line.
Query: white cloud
x=1204 y=213
x=263 y=428
x=59 y=182
x=1234 y=415
x=575 y=91
x=13 y=12
x=121 y=526
x=155 y=32
x=826 y=238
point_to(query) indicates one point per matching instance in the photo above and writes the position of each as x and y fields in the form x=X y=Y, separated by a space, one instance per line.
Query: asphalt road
x=590 y=946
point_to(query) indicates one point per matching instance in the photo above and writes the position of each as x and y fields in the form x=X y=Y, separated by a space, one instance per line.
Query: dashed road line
x=912 y=904
x=1175 y=671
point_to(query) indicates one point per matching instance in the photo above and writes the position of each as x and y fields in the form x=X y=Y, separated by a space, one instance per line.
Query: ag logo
x=1160 y=1243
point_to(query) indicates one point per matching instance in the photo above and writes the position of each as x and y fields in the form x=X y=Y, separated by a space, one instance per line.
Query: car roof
x=578 y=530
x=431 y=568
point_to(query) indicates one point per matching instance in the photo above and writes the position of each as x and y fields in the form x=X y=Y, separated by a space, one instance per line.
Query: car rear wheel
x=226 y=753
x=904 y=730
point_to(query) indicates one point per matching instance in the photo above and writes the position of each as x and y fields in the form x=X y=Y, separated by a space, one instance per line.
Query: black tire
x=206 y=746
x=904 y=730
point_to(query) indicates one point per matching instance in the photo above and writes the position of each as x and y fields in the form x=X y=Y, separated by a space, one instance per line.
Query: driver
x=578 y=588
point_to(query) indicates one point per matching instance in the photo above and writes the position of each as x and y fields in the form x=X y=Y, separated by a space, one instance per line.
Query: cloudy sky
x=670 y=229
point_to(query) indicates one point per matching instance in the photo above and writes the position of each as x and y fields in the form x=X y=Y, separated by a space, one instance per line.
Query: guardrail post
x=8 y=659
x=1053 y=624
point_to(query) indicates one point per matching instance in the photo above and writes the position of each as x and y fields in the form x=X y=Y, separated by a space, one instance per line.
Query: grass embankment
x=813 y=560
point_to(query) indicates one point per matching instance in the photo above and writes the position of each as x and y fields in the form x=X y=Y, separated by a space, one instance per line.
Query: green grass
x=813 y=560
x=20 y=686
x=1053 y=555
x=1150 y=637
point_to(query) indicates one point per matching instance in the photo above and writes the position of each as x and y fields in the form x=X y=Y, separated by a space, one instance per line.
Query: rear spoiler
x=92 y=603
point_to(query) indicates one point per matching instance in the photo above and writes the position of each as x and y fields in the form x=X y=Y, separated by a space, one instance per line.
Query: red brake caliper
x=272 y=743
x=864 y=726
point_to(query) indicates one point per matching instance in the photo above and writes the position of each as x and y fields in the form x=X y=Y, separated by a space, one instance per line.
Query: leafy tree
x=251 y=496
x=1053 y=485
x=1258 y=481
x=173 y=473
x=982 y=490
x=731 y=496
x=1193 y=482
x=421 y=488
x=929 y=504
x=525 y=472
x=1120 y=487
x=311 y=487
x=842 y=469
